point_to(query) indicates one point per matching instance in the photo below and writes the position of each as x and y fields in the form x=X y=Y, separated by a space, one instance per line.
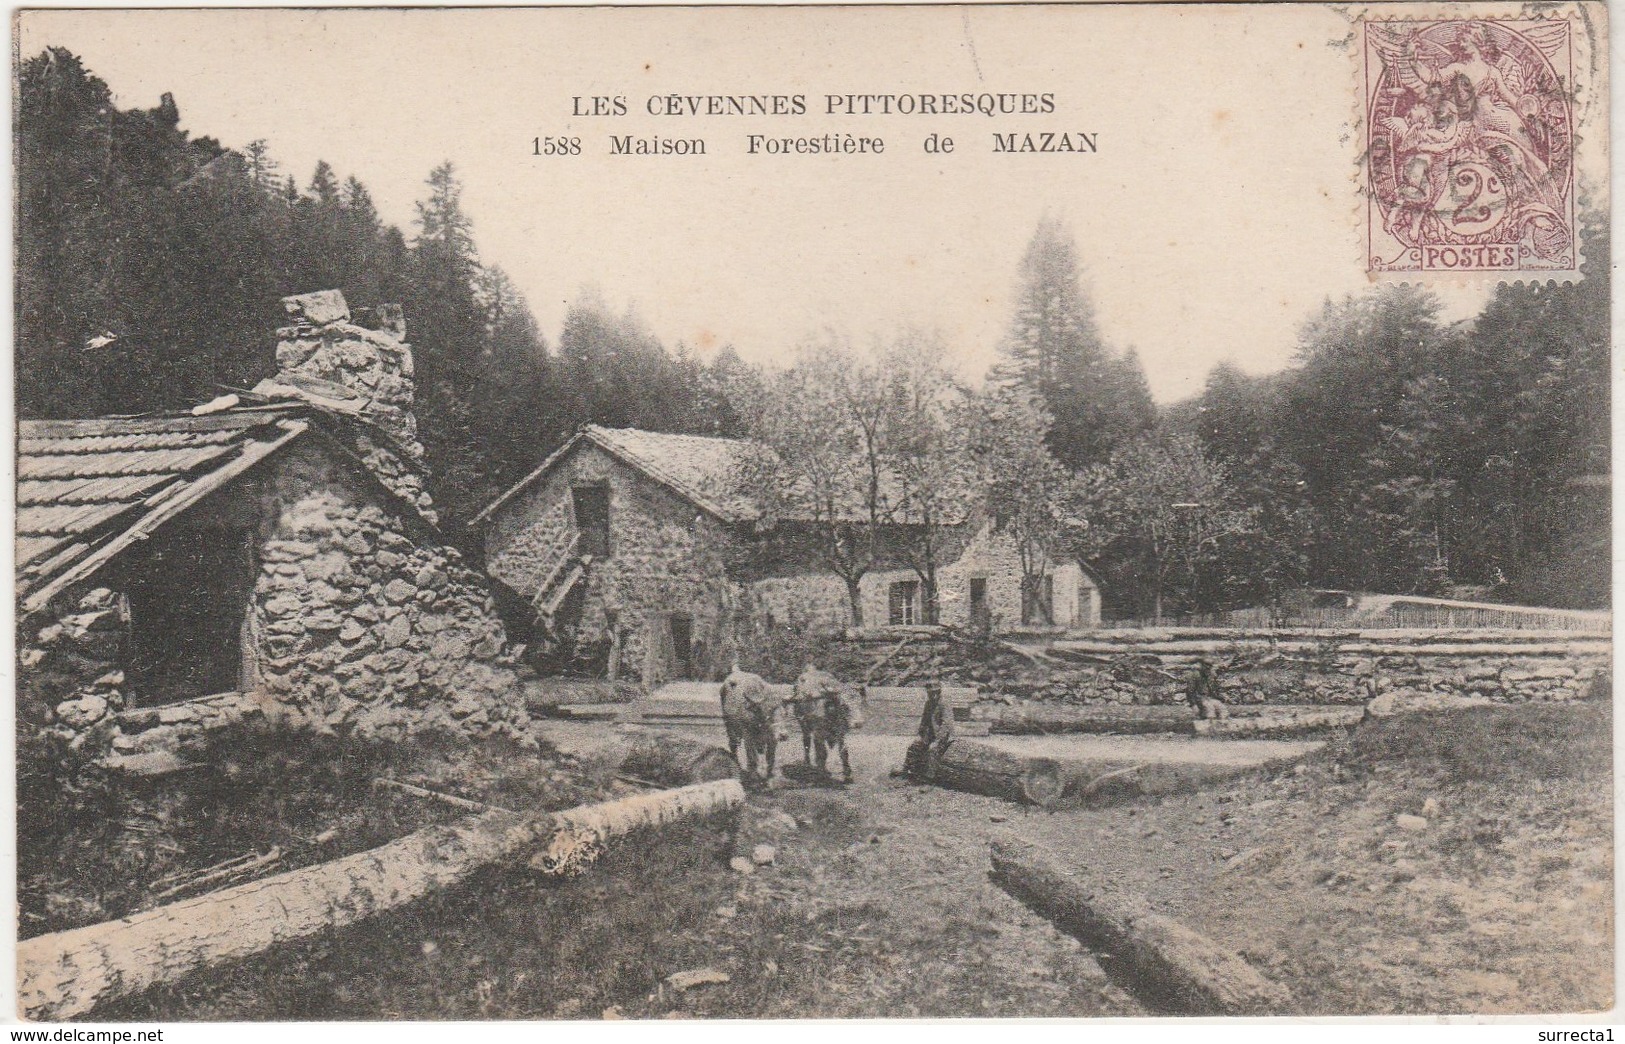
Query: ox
x=827 y=710
x=750 y=712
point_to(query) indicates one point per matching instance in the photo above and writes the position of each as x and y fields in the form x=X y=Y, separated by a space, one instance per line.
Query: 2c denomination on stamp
x=1470 y=157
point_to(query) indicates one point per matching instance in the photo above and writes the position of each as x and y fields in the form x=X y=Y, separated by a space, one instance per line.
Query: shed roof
x=88 y=489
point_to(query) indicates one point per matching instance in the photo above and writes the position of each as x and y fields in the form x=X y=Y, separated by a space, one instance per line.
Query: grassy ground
x=878 y=901
x=106 y=847
x=822 y=931
x=1496 y=896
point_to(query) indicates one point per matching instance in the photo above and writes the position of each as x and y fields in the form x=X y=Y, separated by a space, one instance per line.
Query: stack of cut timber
x=985 y=769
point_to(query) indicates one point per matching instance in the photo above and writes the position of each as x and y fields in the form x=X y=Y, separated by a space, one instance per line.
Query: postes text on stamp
x=1470 y=146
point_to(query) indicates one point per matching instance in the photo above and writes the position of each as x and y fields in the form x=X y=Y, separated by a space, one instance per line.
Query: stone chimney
x=329 y=358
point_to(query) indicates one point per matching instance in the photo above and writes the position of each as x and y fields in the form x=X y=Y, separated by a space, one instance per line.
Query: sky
x=1219 y=210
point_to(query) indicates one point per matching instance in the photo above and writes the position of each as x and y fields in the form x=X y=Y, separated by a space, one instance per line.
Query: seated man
x=935 y=735
x=1202 y=692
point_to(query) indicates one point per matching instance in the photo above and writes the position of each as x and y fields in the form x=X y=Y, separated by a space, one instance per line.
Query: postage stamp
x=1470 y=162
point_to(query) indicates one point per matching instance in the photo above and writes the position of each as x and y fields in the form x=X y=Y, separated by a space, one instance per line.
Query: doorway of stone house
x=682 y=645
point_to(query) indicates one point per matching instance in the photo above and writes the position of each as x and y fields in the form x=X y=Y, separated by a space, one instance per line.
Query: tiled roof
x=702 y=468
x=88 y=488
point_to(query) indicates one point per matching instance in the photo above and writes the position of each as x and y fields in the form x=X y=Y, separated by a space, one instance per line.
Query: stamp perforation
x=1508 y=143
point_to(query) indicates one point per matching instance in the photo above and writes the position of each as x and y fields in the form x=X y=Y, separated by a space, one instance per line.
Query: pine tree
x=324 y=186
x=449 y=340
x=262 y=169
x=1055 y=350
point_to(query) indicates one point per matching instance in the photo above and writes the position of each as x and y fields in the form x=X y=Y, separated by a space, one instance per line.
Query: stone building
x=643 y=545
x=980 y=585
x=270 y=554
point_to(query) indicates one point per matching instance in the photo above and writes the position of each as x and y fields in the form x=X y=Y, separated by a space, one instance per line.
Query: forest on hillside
x=1400 y=453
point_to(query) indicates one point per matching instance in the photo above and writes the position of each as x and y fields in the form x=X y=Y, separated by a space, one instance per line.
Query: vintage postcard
x=768 y=512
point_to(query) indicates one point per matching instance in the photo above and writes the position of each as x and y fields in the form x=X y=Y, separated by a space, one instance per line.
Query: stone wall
x=1413 y=667
x=666 y=558
x=1405 y=669
x=810 y=601
x=362 y=623
x=70 y=679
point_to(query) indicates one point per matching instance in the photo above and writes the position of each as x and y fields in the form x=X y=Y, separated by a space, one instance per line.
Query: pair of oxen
x=825 y=708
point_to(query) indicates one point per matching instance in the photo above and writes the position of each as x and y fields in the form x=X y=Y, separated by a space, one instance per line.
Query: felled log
x=579 y=835
x=1281 y=722
x=1019 y=719
x=65 y=975
x=1167 y=965
x=674 y=760
x=985 y=769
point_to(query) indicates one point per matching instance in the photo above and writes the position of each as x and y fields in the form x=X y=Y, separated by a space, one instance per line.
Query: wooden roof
x=86 y=489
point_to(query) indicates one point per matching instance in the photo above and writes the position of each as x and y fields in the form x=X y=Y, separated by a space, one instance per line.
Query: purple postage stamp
x=1470 y=157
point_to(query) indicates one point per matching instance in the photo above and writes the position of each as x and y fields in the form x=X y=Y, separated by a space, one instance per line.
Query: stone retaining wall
x=1407 y=668
x=70 y=679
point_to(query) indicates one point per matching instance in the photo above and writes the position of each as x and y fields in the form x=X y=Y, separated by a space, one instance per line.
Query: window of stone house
x=189 y=596
x=1038 y=601
x=592 y=518
x=904 y=602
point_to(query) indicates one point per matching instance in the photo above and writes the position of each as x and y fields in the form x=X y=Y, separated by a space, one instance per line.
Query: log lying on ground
x=1024 y=719
x=1162 y=962
x=580 y=834
x=982 y=768
x=1295 y=721
x=64 y=975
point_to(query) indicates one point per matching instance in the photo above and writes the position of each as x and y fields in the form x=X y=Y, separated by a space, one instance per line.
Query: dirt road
x=1457 y=862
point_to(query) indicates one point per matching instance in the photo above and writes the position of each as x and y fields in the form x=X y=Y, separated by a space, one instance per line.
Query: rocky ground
x=1445 y=863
